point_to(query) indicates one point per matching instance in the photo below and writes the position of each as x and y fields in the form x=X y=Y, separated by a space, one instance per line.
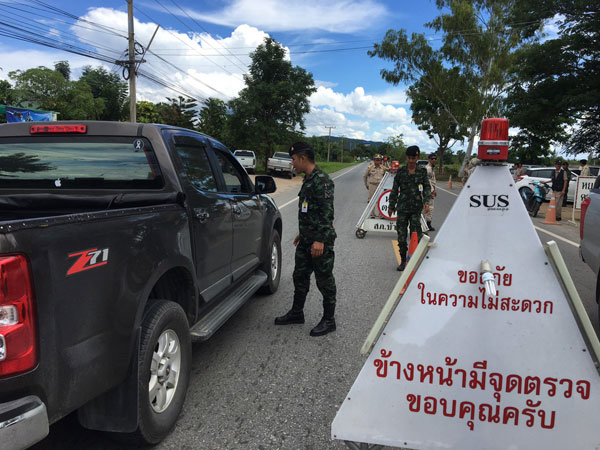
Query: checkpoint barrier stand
x=490 y=346
x=378 y=205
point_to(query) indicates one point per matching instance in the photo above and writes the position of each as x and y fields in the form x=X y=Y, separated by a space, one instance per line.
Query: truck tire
x=272 y=265
x=536 y=208
x=165 y=357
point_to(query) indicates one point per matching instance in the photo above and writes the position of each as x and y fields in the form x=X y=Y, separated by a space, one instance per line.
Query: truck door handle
x=201 y=214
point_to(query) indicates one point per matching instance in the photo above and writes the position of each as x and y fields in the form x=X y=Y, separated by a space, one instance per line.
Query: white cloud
x=339 y=16
x=197 y=63
x=358 y=103
x=327 y=84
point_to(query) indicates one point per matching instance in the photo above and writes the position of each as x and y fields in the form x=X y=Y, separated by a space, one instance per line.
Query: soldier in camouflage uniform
x=410 y=195
x=314 y=242
x=373 y=175
x=430 y=167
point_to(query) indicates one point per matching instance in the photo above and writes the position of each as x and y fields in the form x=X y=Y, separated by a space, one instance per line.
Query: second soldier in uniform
x=373 y=176
x=430 y=167
x=410 y=195
x=314 y=242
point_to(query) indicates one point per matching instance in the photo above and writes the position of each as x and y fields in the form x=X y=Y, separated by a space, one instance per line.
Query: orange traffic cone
x=450 y=182
x=414 y=241
x=551 y=213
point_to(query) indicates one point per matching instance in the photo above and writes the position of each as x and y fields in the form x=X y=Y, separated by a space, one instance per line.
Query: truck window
x=235 y=181
x=196 y=165
x=281 y=155
x=78 y=162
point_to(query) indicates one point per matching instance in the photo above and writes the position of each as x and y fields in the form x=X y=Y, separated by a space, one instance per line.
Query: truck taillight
x=584 y=206
x=18 y=351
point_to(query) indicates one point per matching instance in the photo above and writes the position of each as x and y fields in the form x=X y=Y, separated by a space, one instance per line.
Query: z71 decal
x=88 y=259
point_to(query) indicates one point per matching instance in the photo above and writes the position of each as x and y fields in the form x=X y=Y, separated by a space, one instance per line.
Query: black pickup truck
x=119 y=244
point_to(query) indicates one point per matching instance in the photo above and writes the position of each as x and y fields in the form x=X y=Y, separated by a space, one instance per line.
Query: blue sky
x=204 y=46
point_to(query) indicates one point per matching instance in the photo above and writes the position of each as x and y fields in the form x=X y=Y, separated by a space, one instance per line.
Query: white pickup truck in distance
x=247 y=159
x=280 y=162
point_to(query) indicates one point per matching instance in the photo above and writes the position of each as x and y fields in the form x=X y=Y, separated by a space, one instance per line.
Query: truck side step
x=216 y=317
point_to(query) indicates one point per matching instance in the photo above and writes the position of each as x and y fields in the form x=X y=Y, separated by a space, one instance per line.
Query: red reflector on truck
x=18 y=351
x=44 y=129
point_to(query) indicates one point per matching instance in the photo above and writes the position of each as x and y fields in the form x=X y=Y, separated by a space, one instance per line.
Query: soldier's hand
x=296 y=240
x=317 y=249
x=434 y=194
x=426 y=208
x=391 y=211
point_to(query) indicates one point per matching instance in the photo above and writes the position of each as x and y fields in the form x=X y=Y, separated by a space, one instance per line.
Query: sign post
x=460 y=366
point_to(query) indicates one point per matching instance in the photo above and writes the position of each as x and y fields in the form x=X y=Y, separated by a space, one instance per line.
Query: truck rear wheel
x=272 y=265
x=164 y=370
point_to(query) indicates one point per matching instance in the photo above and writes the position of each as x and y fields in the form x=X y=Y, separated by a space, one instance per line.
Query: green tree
x=431 y=117
x=212 y=119
x=180 y=112
x=555 y=83
x=147 y=112
x=63 y=68
x=273 y=103
x=477 y=49
x=108 y=87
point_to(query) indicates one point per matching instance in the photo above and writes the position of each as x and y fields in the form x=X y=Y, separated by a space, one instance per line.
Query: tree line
x=488 y=60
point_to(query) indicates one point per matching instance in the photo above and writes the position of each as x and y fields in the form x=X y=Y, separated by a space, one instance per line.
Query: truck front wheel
x=164 y=371
x=272 y=265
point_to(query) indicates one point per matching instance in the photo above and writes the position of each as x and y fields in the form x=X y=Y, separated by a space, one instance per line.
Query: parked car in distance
x=593 y=171
x=247 y=159
x=280 y=162
x=422 y=162
x=544 y=174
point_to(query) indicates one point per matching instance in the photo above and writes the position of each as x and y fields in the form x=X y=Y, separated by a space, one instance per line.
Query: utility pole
x=132 y=75
x=343 y=147
x=329 y=142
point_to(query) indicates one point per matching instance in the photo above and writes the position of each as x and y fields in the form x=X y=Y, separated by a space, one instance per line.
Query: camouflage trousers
x=402 y=222
x=323 y=268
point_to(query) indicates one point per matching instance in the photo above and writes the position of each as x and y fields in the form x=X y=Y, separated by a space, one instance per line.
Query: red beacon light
x=493 y=141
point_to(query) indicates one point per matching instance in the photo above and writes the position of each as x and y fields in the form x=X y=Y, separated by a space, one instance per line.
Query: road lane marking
x=334 y=178
x=397 y=251
x=554 y=235
x=574 y=244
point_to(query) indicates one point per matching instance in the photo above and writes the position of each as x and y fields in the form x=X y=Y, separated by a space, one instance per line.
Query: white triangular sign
x=456 y=368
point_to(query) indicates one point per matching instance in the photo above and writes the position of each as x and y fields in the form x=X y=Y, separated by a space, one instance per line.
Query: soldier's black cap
x=300 y=146
x=432 y=155
x=413 y=150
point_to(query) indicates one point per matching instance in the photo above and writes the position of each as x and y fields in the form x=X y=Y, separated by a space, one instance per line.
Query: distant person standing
x=430 y=168
x=559 y=184
x=314 y=242
x=374 y=174
x=410 y=195
x=569 y=174
x=585 y=169
x=518 y=171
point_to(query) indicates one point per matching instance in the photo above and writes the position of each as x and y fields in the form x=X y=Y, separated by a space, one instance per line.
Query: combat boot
x=294 y=315
x=430 y=226
x=402 y=265
x=327 y=323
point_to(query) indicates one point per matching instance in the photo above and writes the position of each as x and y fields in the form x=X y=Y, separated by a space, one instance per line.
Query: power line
x=187 y=44
x=206 y=31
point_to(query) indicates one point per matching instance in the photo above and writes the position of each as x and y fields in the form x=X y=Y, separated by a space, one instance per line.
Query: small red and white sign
x=383 y=205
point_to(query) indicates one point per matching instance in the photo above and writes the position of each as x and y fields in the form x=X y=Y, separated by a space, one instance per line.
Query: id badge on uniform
x=304 y=206
x=420 y=188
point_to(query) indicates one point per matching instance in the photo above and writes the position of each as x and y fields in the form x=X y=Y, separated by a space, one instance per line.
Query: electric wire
x=206 y=31
x=186 y=43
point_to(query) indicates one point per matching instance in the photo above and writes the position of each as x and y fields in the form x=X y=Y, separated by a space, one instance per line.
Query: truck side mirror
x=264 y=184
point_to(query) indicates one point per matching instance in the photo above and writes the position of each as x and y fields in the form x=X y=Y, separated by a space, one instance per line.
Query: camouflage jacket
x=410 y=192
x=315 y=208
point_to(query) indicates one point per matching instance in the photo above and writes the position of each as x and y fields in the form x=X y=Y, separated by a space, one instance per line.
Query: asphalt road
x=258 y=386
